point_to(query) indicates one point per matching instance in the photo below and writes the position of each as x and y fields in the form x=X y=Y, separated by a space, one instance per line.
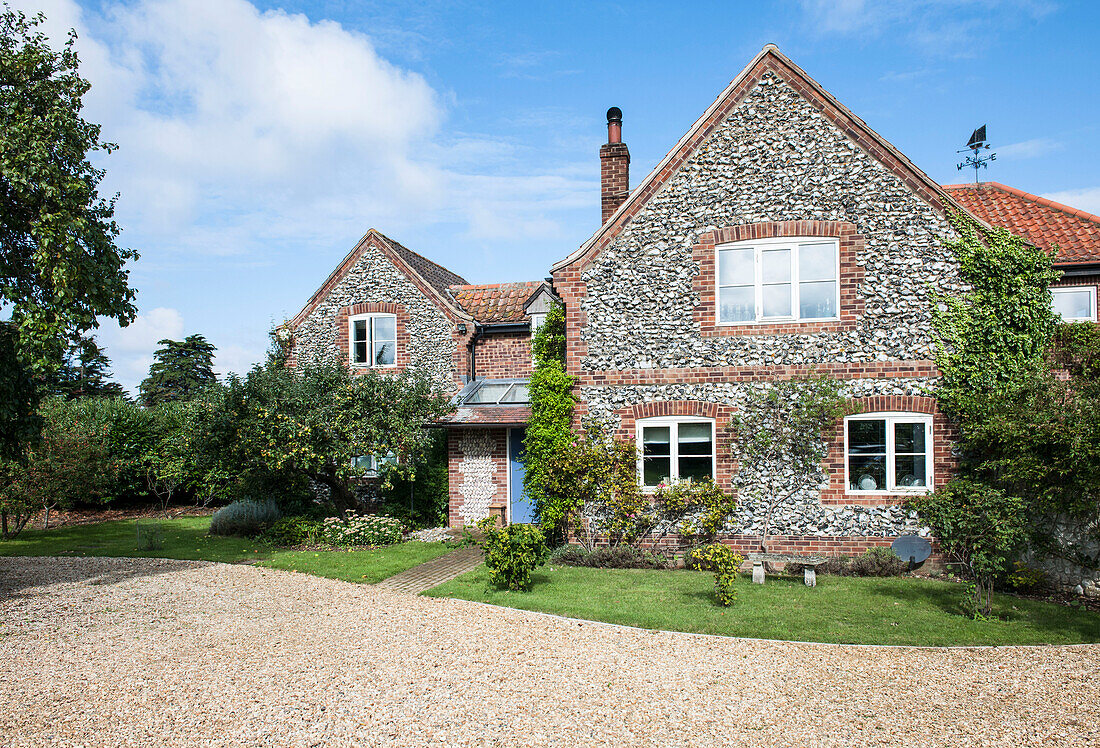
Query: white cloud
x=236 y=359
x=947 y=27
x=131 y=348
x=237 y=125
x=1028 y=148
x=1087 y=199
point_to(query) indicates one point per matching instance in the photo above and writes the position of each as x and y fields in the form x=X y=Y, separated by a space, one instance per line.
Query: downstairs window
x=888 y=453
x=675 y=449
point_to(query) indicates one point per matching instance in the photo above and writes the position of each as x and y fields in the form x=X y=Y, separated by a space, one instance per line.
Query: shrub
x=1024 y=578
x=246 y=518
x=726 y=564
x=874 y=562
x=296 y=530
x=877 y=562
x=981 y=527
x=512 y=553
x=355 y=529
x=619 y=557
x=150 y=536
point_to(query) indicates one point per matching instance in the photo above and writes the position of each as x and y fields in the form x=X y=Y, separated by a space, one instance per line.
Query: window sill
x=780 y=321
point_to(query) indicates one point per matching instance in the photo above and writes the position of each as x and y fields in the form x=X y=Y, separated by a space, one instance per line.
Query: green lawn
x=186 y=538
x=840 y=609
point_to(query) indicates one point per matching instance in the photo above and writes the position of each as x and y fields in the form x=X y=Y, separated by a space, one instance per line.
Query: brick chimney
x=614 y=165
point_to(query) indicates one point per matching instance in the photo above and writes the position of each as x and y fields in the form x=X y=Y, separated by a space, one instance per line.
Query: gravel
x=97 y=651
x=431 y=535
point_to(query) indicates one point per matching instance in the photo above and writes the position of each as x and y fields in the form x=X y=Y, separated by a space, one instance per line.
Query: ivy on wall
x=549 y=430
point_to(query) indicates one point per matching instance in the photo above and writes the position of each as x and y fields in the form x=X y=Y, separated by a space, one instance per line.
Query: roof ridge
x=666 y=167
x=1054 y=204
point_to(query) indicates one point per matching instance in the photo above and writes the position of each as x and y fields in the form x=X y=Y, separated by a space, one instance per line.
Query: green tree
x=313 y=424
x=180 y=370
x=84 y=372
x=549 y=430
x=60 y=268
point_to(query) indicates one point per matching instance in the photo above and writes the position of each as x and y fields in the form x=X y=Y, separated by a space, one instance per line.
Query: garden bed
x=903 y=611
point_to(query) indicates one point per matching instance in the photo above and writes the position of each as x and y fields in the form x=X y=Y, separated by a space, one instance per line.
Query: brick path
x=434 y=572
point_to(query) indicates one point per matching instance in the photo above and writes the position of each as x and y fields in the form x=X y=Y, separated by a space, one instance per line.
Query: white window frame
x=370 y=317
x=1092 y=301
x=375 y=462
x=892 y=418
x=674 y=445
x=760 y=245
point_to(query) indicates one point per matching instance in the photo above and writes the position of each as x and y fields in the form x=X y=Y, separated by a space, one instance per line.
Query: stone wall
x=477 y=473
x=776 y=166
x=429 y=335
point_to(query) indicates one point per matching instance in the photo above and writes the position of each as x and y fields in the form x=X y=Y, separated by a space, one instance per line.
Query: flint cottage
x=780 y=236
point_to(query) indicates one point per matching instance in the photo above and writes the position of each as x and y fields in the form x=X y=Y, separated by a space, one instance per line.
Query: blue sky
x=259 y=141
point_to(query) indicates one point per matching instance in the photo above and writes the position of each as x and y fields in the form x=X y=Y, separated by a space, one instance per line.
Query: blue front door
x=520 y=508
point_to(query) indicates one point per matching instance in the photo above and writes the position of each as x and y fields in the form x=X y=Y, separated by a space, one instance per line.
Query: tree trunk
x=4 y=522
x=46 y=520
x=342 y=497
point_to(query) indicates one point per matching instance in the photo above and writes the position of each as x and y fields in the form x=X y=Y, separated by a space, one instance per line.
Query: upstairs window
x=1075 y=303
x=675 y=449
x=373 y=339
x=888 y=453
x=778 y=280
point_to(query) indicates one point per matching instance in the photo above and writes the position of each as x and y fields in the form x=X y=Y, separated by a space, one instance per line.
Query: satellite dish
x=912 y=548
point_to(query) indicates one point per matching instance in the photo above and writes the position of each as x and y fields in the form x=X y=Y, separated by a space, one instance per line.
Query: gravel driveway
x=157 y=653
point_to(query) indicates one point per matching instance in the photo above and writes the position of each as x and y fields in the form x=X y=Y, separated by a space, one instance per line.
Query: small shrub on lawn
x=296 y=530
x=245 y=518
x=726 y=564
x=877 y=562
x=1024 y=578
x=874 y=562
x=512 y=553
x=356 y=529
x=620 y=557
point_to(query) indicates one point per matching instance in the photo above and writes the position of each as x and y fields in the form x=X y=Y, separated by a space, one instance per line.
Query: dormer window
x=372 y=340
x=778 y=280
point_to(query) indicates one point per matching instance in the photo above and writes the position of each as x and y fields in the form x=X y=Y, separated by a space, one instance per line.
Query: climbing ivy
x=992 y=339
x=549 y=430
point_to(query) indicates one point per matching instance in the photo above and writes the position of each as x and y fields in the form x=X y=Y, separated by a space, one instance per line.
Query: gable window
x=373 y=339
x=675 y=449
x=1075 y=303
x=777 y=280
x=888 y=452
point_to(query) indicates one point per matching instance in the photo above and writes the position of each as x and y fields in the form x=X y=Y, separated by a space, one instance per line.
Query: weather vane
x=975 y=146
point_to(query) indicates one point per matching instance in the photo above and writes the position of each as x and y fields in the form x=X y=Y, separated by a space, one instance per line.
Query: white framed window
x=1075 y=303
x=888 y=453
x=778 y=280
x=371 y=464
x=372 y=339
x=675 y=449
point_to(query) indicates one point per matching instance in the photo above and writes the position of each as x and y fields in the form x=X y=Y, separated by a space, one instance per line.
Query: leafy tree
x=169 y=463
x=549 y=430
x=1025 y=393
x=71 y=462
x=313 y=424
x=20 y=422
x=60 y=268
x=85 y=372
x=784 y=427
x=180 y=370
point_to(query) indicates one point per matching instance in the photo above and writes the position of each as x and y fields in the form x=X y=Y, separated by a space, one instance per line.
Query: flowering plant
x=355 y=529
